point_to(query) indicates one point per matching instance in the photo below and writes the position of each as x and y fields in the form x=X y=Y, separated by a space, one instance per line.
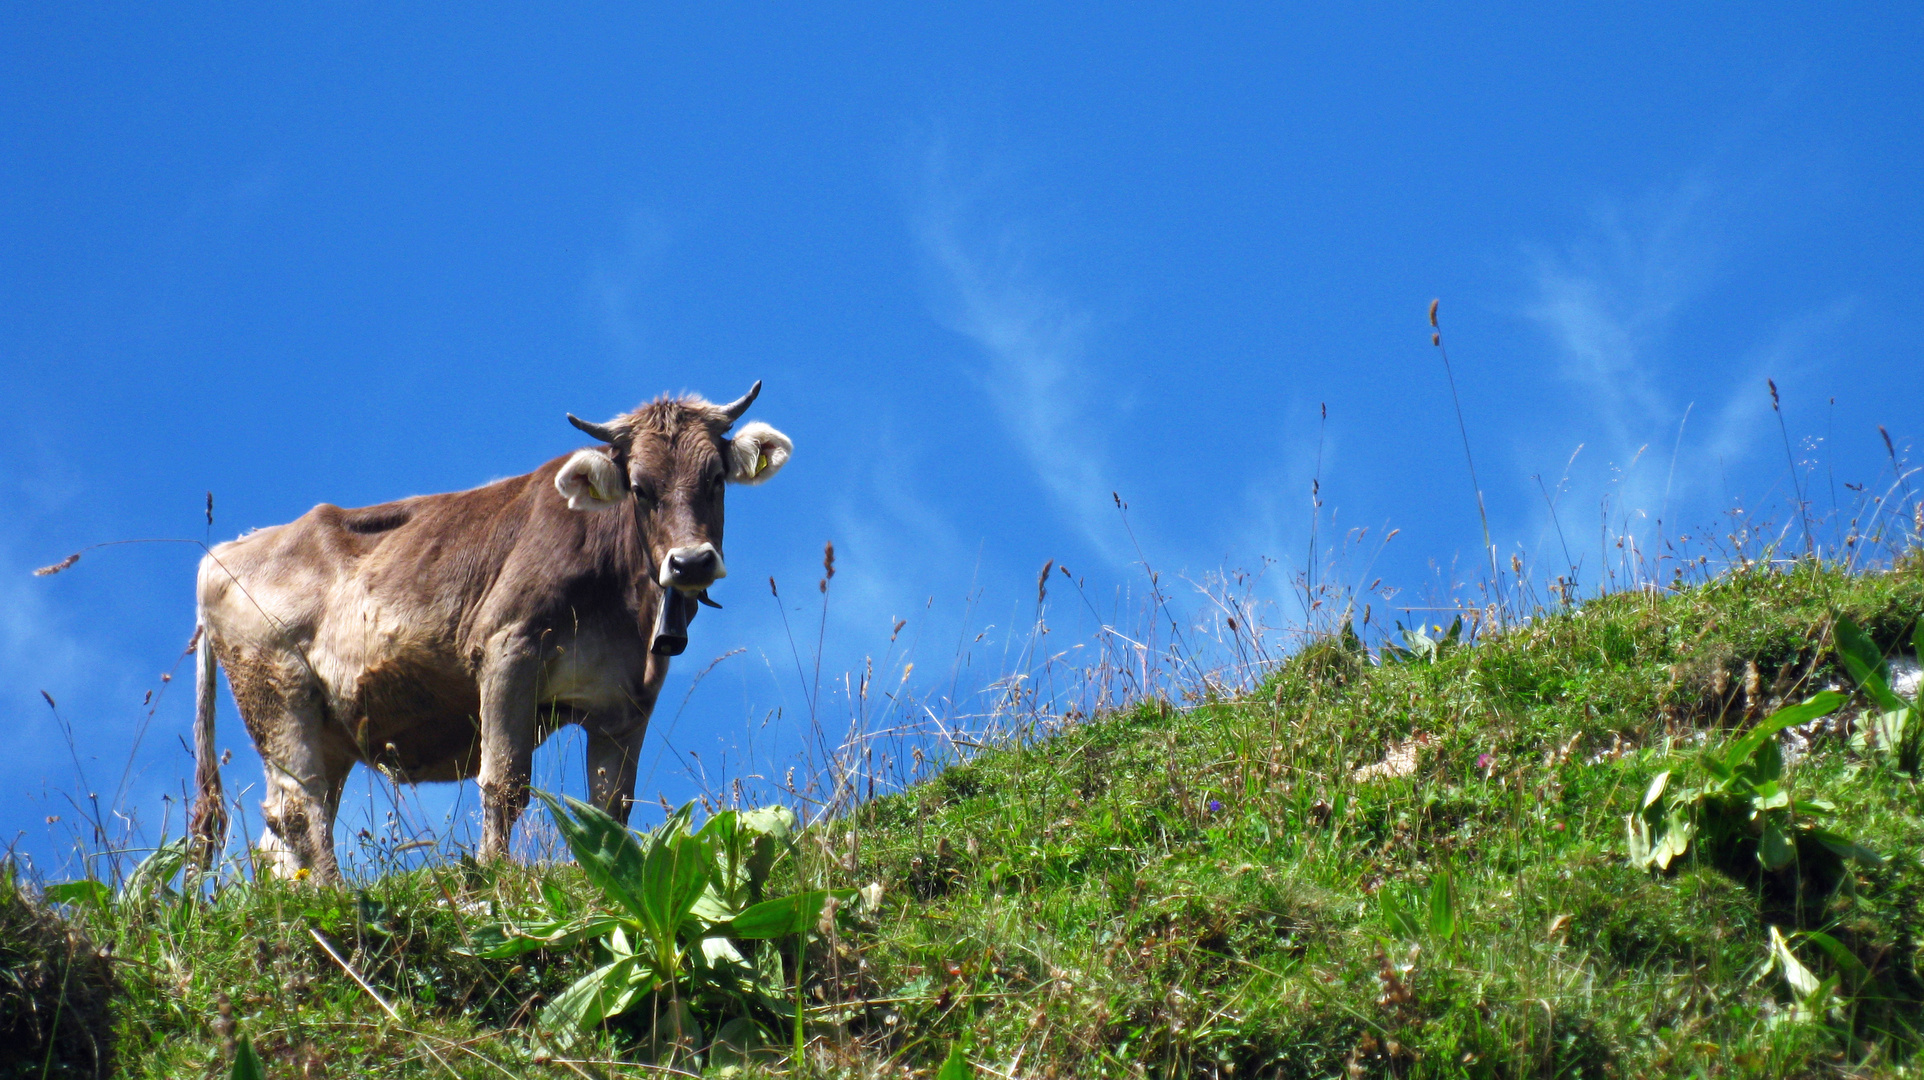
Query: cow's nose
x=692 y=567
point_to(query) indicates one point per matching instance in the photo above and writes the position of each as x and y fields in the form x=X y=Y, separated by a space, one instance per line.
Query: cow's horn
x=604 y=432
x=734 y=411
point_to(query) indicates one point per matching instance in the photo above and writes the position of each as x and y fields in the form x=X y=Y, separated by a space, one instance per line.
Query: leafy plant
x=149 y=883
x=247 y=1063
x=1742 y=795
x=956 y=1065
x=1896 y=728
x=1815 y=998
x=685 y=905
x=1431 y=911
x=1419 y=647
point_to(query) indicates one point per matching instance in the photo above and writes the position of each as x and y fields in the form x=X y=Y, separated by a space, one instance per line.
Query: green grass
x=1201 y=891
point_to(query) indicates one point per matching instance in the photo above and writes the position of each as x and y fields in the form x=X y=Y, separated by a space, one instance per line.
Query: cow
x=444 y=637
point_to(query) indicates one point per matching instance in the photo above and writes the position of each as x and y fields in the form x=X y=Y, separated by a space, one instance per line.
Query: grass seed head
x=48 y=571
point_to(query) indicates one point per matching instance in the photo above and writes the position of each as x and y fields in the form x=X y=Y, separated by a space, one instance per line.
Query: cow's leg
x=282 y=707
x=612 y=758
x=507 y=740
x=614 y=745
x=304 y=785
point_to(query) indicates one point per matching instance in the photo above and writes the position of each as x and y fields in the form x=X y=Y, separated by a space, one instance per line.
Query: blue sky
x=992 y=265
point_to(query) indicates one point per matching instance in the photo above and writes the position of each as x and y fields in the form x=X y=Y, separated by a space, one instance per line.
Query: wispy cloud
x=1609 y=298
x=987 y=287
x=1792 y=352
x=895 y=549
x=618 y=284
x=1668 y=432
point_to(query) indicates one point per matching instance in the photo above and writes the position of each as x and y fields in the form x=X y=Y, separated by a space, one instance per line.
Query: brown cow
x=444 y=637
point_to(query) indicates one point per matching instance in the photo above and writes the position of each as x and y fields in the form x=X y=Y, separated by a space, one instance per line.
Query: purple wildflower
x=1484 y=761
x=1215 y=807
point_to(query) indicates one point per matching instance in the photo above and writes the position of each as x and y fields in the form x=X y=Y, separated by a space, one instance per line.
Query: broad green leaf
x=88 y=892
x=1857 y=853
x=1888 y=729
x=1802 y=982
x=1767 y=764
x=499 y=941
x=956 y=1065
x=150 y=879
x=1642 y=853
x=1655 y=790
x=721 y=828
x=741 y=1044
x=593 y=998
x=1821 y=1002
x=777 y=822
x=1770 y=796
x=675 y=1035
x=712 y=907
x=718 y=951
x=557 y=900
x=1839 y=955
x=1814 y=807
x=773 y=831
x=778 y=918
x=676 y=872
x=625 y=995
x=605 y=850
x=1774 y=848
x=1811 y=708
x=725 y=894
x=1853 y=642
x=1896 y=728
x=676 y=823
x=1442 y=904
x=1677 y=835
x=1394 y=916
x=1866 y=663
x=247 y=1064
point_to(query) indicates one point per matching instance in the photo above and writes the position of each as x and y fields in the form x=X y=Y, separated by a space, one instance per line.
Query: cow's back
x=363 y=608
x=381 y=612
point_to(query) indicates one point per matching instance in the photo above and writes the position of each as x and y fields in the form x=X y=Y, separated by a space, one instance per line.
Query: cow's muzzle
x=692 y=568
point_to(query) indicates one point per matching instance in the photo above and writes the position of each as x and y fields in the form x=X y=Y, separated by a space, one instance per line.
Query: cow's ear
x=757 y=452
x=590 y=481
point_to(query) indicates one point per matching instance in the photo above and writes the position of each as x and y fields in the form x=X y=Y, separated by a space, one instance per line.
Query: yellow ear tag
x=760 y=464
x=595 y=492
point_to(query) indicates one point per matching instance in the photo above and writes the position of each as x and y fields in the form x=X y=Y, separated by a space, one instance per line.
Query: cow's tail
x=208 y=824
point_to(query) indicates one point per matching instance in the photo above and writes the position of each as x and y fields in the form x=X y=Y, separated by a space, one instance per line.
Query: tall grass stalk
x=1796 y=482
x=1436 y=339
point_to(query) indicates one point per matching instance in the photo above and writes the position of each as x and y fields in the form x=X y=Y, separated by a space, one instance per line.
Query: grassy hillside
x=1408 y=868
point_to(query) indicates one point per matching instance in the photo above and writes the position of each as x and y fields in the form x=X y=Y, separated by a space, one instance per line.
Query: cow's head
x=670 y=462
